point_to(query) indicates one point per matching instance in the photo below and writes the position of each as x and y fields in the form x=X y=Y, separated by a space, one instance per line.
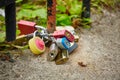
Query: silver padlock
x=62 y=57
x=53 y=51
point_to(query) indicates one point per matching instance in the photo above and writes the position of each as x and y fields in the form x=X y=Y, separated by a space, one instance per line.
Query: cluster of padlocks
x=62 y=42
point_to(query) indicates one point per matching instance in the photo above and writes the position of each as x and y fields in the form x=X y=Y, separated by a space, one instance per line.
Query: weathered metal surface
x=76 y=38
x=53 y=51
x=62 y=57
x=51 y=16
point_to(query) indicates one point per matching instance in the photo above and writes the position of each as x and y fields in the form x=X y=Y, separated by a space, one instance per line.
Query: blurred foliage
x=32 y=12
x=35 y=10
x=66 y=10
x=2 y=36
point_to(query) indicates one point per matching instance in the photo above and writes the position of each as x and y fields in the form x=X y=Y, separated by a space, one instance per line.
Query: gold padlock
x=76 y=38
x=62 y=57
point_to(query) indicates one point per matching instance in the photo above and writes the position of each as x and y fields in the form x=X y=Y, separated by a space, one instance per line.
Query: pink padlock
x=63 y=33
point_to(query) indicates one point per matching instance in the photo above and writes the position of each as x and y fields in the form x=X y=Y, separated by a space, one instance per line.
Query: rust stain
x=51 y=16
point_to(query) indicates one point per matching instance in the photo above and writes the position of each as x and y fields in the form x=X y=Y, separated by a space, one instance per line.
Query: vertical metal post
x=10 y=20
x=86 y=9
x=51 y=16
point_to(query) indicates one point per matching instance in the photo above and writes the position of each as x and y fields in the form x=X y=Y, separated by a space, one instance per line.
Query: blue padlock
x=63 y=43
x=72 y=47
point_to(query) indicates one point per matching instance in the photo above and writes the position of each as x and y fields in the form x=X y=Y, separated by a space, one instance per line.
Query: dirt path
x=99 y=48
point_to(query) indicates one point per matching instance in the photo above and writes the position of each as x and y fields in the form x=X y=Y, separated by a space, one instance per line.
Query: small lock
x=63 y=43
x=53 y=51
x=72 y=47
x=26 y=27
x=64 y=33
x=36 y=44
x=62 y=57
x=76 y=38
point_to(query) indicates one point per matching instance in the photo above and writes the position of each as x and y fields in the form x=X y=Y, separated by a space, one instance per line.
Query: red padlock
x=63 y=33
x=26 y=27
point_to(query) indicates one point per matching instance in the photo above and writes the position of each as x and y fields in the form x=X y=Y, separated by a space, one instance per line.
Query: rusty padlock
x=63 y=43
x=36 y=44
x=53 y=51
x=63 y=33
x=62 y=57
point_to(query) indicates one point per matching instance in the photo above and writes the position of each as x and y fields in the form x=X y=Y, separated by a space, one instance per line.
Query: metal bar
x=86 y=9
x=51 y=16
x=10 y=20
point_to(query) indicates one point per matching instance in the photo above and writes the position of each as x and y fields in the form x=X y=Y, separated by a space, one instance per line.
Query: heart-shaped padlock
x=36 y=44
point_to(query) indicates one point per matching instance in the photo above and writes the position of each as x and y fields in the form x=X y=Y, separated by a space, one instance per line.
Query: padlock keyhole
x=52 y=54
x=67 y=43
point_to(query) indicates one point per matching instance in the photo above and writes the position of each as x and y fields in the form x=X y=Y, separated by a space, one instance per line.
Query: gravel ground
x=99 y=50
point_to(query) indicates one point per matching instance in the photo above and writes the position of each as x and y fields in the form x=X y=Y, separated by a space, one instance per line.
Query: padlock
x=53 y=51
x=76 y=38
x=69 y=28
x=62 y=57
x=63 y=43
x=63 y=33
x=26 y=27
x=72 y=47
x=36 y=44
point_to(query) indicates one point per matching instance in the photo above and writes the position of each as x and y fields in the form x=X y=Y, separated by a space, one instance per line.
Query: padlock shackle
x=40 y=27
x=34 y=34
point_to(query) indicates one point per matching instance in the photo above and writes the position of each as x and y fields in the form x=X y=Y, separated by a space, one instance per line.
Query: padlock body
x=76 y=38
x=72 y=47
x=62 y=57
x=36 y=45
x=26 y=27
x=53 y=51
x=63 y=33
x=63 y=43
